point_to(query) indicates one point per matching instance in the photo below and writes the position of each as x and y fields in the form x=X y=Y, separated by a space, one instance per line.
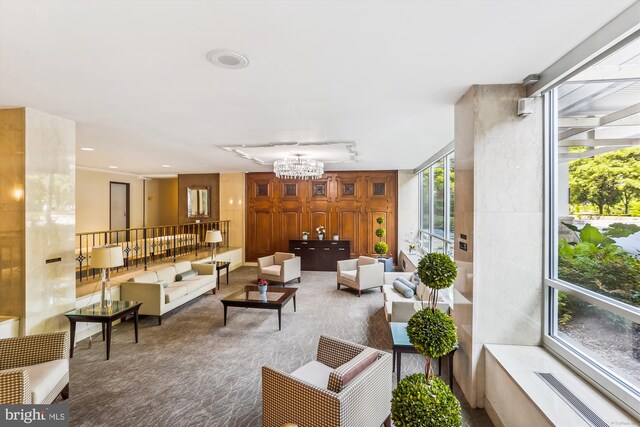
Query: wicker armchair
x=360 y=274
x=281 y=267
x=363 y=400
x=34 y=368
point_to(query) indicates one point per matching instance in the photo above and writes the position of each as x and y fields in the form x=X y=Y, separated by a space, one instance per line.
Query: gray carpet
x=193 y=371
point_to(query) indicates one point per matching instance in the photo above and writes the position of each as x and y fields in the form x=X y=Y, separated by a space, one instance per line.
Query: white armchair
x=360 y=274
x=280 y=267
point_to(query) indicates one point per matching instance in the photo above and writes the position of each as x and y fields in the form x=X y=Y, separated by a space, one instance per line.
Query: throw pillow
x=407 y=283
x=186 y=274
x=415 y=278
x=406 y=291
x=342 y=375
x=164 y=283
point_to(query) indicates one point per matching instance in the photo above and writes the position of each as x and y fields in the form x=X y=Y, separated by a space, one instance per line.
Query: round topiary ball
x=436 y=270
x=381 y=248
x=417 y=402
x=432 y=333
x=380 y=232
x=380 y=220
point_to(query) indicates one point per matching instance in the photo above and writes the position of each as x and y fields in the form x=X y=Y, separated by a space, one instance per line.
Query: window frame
x=610 y=384
x=426 y=237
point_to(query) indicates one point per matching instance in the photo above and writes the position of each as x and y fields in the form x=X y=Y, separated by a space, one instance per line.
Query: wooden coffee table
x=275 y=298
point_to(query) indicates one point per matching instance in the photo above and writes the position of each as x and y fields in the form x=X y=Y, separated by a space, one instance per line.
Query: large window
x=436 y=232
x=593 y=252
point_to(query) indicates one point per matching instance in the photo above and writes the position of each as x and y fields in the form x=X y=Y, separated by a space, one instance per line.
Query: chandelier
x=298 y=168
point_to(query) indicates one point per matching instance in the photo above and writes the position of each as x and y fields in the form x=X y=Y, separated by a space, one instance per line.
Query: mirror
x=198 y=202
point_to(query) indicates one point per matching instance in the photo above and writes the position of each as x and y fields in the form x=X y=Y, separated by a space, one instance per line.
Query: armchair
x=280 y=267
x=360 y=274
x=349 y=385
x=34 y=369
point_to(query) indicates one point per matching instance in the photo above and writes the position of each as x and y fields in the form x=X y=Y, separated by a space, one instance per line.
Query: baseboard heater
x=572 y=400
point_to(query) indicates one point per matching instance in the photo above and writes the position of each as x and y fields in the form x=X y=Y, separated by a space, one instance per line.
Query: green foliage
x=607 y=270
x=380 y=232
x=381 y=248
x=380 y=220
x=418 y=402
x=432 y=332
x=618 y=229
x=437 y=270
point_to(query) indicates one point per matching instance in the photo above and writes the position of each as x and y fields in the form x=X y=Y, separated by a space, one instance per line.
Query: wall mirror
x=198 y=202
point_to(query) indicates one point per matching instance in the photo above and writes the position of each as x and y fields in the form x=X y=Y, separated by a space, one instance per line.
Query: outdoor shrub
x=417 y=402
x=432 y=332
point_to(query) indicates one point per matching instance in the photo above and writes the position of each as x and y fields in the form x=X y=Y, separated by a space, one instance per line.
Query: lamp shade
x=106 y=256
x=213 y=236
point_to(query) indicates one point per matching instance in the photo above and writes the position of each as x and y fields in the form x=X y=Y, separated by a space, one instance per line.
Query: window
x=436 y=233
x=593 y=252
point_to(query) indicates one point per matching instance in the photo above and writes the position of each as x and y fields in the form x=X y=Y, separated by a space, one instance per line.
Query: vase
x=320 y=236
x=305 y=237
x=336 y=237
x=262 y=289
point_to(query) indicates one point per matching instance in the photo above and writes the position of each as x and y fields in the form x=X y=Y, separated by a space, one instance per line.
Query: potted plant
x=412 y=248
x=381 y=248
x=305 y=235
x=321 y=232
x=423 y=399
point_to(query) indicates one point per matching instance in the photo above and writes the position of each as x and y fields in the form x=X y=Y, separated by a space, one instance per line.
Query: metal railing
x=146 y=245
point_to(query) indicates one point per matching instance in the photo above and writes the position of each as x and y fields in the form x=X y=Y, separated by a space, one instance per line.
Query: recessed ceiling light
x=166 y=166
x=226 y=58
x=113 y=167
x=87 y=149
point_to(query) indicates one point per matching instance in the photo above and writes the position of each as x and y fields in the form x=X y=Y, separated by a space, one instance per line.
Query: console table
x=320 y=255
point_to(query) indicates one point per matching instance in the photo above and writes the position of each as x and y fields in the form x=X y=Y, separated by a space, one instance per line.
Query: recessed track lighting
x=87 y=149
x=226 y=58
x=113 y=167
x=166 y=166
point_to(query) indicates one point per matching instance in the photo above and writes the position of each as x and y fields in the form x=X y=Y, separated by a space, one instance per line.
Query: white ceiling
x=385 y=74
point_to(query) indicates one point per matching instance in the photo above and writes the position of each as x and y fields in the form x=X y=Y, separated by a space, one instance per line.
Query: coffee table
x=401 y=344
x=275 y=298
x=106 y=316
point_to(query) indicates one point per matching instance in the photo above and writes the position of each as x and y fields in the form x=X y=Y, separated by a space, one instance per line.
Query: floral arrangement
x=412 y=246
x=321 y=230
x=262 y=282
x=305 y=233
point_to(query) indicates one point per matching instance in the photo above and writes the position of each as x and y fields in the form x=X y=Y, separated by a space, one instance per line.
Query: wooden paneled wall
x=344 y=202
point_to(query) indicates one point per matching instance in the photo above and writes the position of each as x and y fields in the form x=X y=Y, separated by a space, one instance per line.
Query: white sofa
x=397 y=308
x=158 y=299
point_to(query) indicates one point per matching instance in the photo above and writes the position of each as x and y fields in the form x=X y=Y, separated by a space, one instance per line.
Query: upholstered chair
x=348 y=385
x=34 y=369
x=280 y=267
x=360 y=274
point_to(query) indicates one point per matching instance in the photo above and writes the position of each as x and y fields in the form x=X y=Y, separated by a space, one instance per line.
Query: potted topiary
x=381 y=248
x=423 y=399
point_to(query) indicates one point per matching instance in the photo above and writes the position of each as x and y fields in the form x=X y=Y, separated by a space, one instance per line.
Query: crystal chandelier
x=298 y=168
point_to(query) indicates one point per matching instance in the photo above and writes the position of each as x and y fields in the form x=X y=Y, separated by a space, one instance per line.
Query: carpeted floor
x=192 y=371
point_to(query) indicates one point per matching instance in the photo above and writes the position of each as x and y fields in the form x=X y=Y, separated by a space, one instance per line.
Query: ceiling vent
x=227 y=59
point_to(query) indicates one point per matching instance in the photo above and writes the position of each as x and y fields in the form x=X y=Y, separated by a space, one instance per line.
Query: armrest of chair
x=288 y=399
x=335 y=352
x=33 y=349
x=370 y=275
x=347 y=264
x=150 y=294
x=16 y=388
x=265 y=261
x=291 y=268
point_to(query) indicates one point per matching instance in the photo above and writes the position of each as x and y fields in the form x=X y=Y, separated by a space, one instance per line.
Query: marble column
x=499 y=216
x=38 y=214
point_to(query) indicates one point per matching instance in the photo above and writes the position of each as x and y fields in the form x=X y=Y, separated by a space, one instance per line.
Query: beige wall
x=232 y=207
x=39 y=160
x=168 y=196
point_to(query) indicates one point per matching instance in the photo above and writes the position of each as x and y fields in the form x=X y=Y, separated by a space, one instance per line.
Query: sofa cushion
x=185 y=275
x=407 y=283
x=45 y=376
x=349 y=274
x=403 y=289
x=173 y=292
x=279 y=257
x=315 y=373
x=415 y=279
x=342 y=375
x=149 y=277
x=182 y=266
x=167 y=273
x=194 y=283
x=164 y=283
x=396 y=296
x=272 y=270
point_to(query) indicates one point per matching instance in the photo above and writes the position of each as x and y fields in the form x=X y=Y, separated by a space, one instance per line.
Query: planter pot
x=305 y=237
x=336 y=237
x=262 y=289
x=320 y=236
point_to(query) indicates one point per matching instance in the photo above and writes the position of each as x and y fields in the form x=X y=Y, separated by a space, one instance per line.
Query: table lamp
x=105 y=257
x=213 y=237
